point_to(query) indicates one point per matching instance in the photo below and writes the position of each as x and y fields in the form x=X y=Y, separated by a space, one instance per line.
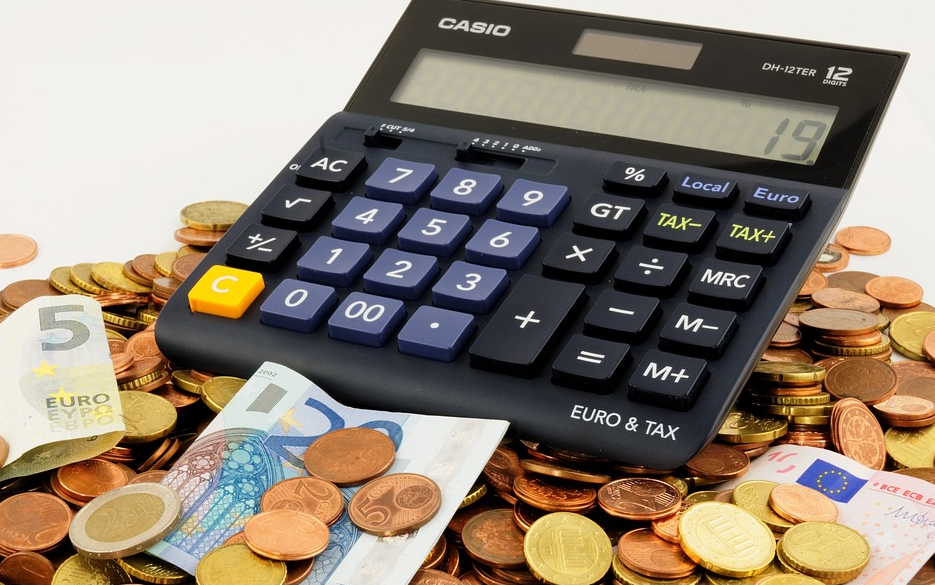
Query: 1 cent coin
x=395 y=504
x=350 y=456
x=493 y=538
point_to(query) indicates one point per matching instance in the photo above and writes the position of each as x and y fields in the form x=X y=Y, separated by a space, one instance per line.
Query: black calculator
x=587 y=225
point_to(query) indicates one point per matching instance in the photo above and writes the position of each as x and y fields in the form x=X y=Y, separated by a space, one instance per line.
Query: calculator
x=590 y=226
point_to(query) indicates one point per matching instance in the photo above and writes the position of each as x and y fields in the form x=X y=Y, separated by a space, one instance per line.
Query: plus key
x=523 y=332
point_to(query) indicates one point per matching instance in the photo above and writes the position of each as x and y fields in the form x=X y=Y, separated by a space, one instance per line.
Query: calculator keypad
x=622 y=281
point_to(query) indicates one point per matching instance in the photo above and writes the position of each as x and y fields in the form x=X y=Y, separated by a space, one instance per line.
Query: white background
x=115 y=114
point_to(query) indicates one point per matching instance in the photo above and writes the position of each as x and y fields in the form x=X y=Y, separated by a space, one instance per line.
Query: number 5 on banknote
x=64 y=405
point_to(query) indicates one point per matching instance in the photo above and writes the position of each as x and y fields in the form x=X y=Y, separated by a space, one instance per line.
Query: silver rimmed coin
x=125 y=520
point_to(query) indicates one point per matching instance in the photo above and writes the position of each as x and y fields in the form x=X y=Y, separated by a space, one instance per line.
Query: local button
x=704 y=189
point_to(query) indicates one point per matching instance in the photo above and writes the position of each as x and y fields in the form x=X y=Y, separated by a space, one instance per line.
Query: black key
x=679 y=228
x=697 y=330
x=522 y=333
x=594 y=365
x=668 y=380
x=330 y=169
x=645 y=270
x=608 y=216
x=297 y=208
x=627 y=177
x=778 y=202
x=750 y=239
x=730 y=285
x=705 y=190
x=621 y=316
x=262 y=248
x=579 y=259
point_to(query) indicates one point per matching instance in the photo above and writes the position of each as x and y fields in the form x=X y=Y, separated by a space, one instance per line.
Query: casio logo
x=481 y=28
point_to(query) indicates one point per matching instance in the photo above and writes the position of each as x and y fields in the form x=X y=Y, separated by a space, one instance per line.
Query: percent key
x=635 y=179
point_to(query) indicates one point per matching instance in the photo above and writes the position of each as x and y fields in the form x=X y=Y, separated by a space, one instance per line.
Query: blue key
x=531 y=203
x=436 y=334
x=366 y=319
x=470 y=288
x=434 y=232
x=296 y=305
x=333 y=262
x=462 y=191
x=502 y=245
x=401 y=275
x=367 y=220
x=400 y=181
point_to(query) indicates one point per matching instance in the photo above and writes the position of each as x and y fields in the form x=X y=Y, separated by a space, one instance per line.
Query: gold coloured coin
x=564 y=472
x=563 y=548
x=125 y=520
x=147 y=417
x=911 y=447
x=627 y=576
x=908 y=331
x=110 y=275
x=80 y=275
x=153 y=570
x=87 y=571
x=212 y=215
x=219 y=390
x=831 y=552
x=791 y=373
x=745 y=546
x=789 y=579
x=753 y=496
x=236 y=563
x=61 y=281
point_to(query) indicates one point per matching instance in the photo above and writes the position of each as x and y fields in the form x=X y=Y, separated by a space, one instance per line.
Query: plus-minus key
x=523 y=332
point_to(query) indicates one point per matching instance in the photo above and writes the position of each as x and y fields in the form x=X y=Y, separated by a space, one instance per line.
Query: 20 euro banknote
x=260 y=438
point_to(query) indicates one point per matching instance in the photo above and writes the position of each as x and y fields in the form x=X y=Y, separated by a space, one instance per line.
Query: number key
x=400 y=275
x=333 y=262
x=503 y=245
x=468 y=192
x=531 y=203
x=400 y=181
x=366 y=220
x=434 y=232
x=366 y=319
x=470 y=288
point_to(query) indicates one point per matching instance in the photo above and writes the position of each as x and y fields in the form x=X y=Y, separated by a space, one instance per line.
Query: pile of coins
x=538 y=514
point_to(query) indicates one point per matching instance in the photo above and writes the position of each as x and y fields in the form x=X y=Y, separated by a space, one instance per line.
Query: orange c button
x=224 y=291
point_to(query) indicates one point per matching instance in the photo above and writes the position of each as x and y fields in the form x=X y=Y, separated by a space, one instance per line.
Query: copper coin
x=839 y=298
x=85 y=480
x=145 y=266
x=838 y=321
x=286 y=535
x=4 y=451
x=786 y=335
x=185 y=265
x=554 y=495
x=667 y=527
x=16 y=250
x=350 y=456
x=799 y=503
x=33 y=521
x=311 y=495
x=494 y=539
x=26 y=568
x=928 y=346
x=902 y=407
x=815 y=282
x=564 y=472
x=17 y=294
x=644 y=552
x=869 y=380
x=786 y=354
x=857 y=434
x=895 y=291
x=196 y=237
x=863 y=241
x=143 y=345
x=852 y=280
x=718 y=462
x=395 y=504
x=502 y=468
x=832 y=259
x=638 y=498
x=434 y=577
